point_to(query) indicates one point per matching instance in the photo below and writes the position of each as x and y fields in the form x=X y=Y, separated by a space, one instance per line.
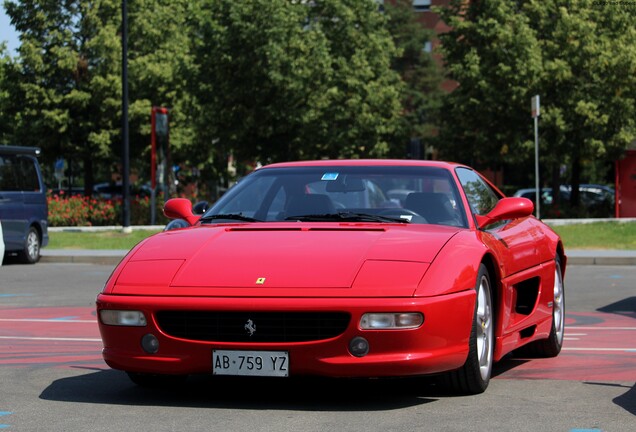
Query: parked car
x=597 y=200
x=116 y=190
x=546 y=194
x=1 y=244
x=23 y=205
x=277 y=280
x=595 y=195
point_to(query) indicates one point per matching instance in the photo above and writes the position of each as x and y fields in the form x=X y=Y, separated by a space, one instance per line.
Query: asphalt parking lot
x=52 y=376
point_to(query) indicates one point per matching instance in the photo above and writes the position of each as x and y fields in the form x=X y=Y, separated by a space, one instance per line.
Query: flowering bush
x=78 y=210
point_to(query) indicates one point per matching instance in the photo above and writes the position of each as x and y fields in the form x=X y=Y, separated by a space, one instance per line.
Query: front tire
x=474 y=376
x=31 y=252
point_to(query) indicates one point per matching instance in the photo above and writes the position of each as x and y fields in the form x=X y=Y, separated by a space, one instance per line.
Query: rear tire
x=31 y=252
x=474 y=376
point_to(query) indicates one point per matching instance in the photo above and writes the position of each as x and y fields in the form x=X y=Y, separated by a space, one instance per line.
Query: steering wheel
x=399 y=212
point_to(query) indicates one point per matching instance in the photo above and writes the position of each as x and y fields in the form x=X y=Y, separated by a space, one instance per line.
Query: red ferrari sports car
x=340 y=268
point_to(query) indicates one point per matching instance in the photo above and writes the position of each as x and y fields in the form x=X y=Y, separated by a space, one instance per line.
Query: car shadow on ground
x=625 y=307
x=114 y=387
x=627 y=400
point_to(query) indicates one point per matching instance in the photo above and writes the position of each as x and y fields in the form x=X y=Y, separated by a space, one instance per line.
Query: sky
x=7 y=32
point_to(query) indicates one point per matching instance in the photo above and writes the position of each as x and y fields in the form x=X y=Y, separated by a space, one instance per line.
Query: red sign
x=626 y=185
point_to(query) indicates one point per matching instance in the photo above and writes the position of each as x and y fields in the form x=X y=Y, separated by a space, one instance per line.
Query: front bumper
x=440 y=344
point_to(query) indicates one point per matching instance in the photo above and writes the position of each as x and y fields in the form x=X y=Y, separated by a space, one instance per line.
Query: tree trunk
x=575 y=181
x=88 y=176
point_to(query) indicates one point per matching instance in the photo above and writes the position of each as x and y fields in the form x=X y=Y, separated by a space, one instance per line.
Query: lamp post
x=124 y=127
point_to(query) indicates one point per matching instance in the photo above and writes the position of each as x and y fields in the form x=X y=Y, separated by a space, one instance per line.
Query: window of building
x=422 y=5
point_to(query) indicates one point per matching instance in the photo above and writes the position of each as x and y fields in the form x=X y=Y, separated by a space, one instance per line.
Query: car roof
x=366 y=162
x=12 y=149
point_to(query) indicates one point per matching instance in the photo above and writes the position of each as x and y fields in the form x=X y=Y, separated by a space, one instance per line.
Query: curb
x=607 y=261
x=607 y=257
x=82 y=256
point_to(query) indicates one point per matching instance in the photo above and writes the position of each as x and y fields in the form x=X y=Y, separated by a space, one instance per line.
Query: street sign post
x=536 y=111
x=159 y=137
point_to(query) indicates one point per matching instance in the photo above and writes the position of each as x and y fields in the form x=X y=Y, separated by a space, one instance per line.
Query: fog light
x=150 y=343
x=359 y=346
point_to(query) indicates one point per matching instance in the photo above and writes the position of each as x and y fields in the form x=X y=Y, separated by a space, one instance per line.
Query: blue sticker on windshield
x=329 y=176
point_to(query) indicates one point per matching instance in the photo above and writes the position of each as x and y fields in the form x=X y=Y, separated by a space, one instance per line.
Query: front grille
x=265 y=326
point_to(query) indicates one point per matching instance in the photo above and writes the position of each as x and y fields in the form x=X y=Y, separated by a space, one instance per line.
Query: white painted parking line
x=601 y=328
x=599 y=349
x=50 y=339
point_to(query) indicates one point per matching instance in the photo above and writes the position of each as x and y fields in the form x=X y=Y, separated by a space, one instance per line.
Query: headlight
x=122 y=317
x=390 y=321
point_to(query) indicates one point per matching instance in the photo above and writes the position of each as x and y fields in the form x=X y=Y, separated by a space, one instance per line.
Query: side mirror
x=506 y=208
x=180 y=208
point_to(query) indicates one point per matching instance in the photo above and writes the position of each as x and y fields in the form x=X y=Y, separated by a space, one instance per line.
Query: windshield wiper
x=346 y=217
x=229 y=216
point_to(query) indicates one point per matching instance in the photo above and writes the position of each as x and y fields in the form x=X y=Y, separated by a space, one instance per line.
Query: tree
x=419 y=71
x=5 y=118
x=580 y=57
x=66 y=87
x=278 y=79
x=588 y=83
x=158 y=55
x=66 y=81
x=491 y=52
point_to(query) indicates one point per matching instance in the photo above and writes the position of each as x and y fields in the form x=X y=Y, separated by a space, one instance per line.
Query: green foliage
x=418 y=69
x=588 y=81
x=256 y=80
x=67 y=79
x=5 y=121
x=109 y=239
x=598 y=235
x=159 y=53
x=580 y=57
x=493 y=54
x=277 y=80
x=65 y=91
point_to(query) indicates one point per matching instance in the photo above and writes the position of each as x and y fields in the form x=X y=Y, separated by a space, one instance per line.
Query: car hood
x=275 y=258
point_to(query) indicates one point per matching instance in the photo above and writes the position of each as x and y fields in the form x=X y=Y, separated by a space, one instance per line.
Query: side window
x=9 y=174
x=30 y=181
x=249 y=200
x=480 y=196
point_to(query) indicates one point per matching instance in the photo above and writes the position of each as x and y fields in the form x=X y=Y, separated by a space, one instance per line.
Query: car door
x=516 y=242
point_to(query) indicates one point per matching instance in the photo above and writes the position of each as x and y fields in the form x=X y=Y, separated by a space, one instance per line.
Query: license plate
x=255 y=363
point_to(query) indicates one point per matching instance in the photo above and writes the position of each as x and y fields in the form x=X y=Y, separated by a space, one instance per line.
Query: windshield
x=382 y=194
